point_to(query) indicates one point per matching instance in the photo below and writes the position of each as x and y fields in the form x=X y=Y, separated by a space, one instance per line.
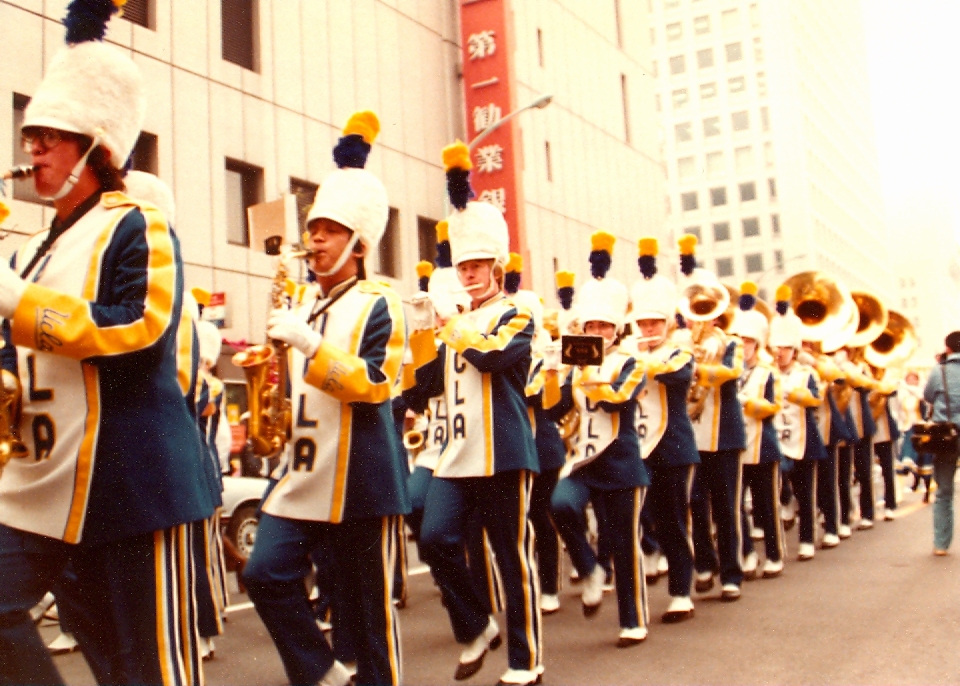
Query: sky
x=914 y=57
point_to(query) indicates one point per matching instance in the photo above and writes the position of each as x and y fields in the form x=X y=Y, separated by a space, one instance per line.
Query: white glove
x=421 y=312
x=286 y=326
x=11 y=290
x=551 y=356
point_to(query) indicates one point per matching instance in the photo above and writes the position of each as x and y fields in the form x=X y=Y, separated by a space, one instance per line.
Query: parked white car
x=239 y=518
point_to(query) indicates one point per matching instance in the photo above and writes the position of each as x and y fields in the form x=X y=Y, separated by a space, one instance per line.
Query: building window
x=715 y=164
x=778 y=260
x=754 y=15
x=754 y=263
x=758 y=50
x=549 y=160
x=655 y=69
x=22 y=190
x=775 y=224
x=708 y=91
x=616 y=14
x=671 y=4
x=768 y=154
x=140 y=12
x=624 y=94
x=751 y=227
x=238 y=21
x=388 y=252
x=694 y=230
x=244 y=189
x=653 y=36
x=144 y=155
x=734 y=52
x=765 y=118
x=730 y=20
x=711 y=127
x=761 y=84
x=772 y=187
x=680 y=98
x=718 y=196
x=540 y=44
x=674 y=31
x=748 y=191
x=743 y=159
x=701 y=25
x=689 y=201
x=304 y=192
x=678 y=64
x=686 y=168
x=657 y=103
x=427 y=239
x=737 y=84
x=705 y=58
x=740 y=121
x=683 y=132
x=725 y=267
x=721 y=231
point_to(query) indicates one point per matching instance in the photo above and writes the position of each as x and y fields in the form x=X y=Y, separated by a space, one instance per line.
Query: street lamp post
x=537 y=104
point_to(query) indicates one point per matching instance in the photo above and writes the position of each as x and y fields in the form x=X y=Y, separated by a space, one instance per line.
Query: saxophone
x=268 y=427
x=10 y=444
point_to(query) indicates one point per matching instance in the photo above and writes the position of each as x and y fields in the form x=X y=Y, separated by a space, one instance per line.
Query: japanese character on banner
x=485 y=116
x=480 y=45
x=496 y=197
x=490 y=158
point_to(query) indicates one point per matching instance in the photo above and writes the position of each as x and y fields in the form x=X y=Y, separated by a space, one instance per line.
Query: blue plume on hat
x=681 y=322
x=601 y=253
x=354 y=146
x=444 y=255
x=457 y=166
x=86 y=20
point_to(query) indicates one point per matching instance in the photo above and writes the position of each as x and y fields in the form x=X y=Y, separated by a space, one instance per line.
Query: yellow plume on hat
x=457 y=156
x=424 y=269
x=443 y=231
x=784 y=292
x=602 y=240
x=649 y=247
x=364 y=124
x=565 y=279
x=515 y=263
x=687 y=243
x=201 y=295
x=748 y=288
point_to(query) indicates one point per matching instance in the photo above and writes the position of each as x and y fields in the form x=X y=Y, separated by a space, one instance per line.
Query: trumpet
x=23 y=171
x=703 y=301
x=413 y=441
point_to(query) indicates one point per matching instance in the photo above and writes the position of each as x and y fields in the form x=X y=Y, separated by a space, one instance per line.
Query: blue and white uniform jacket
x=481 y=368
x=551 y=451
x=796 y=422
x=720 y=425
x=114 y=450
x=345 y=460
x=607 y=455
x=663 y=425
x=887 y=429
x=860 y=413
x=833 y=425
x=209 y=407
x=760 y=397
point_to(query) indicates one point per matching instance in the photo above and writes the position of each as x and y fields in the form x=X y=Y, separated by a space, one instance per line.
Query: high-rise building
x=768 y=140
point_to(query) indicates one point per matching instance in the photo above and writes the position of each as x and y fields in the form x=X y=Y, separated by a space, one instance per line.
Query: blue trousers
x=364 y=553
x=884 y=451
x=863 y=469
x=547 y=542
x=844 y=469
x=827 y=491
x=133 y=602
x=503 y=501
x=716 y=497
x=669 y=503
x=764 y=483
x=944 y=471
x=620 y=529
x=417 y=484
x=803 y=478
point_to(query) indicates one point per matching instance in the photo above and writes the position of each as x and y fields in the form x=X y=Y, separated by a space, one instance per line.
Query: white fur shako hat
x=747 y=321
x=602 y=298
x=477 y=230
x=145 y=186
x=786 y=329
x=654 y=296
x=92 y=89
x=351 y=195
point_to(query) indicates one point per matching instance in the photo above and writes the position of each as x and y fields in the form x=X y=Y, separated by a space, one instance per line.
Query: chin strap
x=342 y=260
x=75 y=172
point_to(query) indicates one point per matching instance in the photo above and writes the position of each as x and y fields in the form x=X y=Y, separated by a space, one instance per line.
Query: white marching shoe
x=805 y=552
x=207 y=650
x=337 y=675
x=632 y=636
x=63 y=644
x=549 y=603
x=830 y=541
x=772 y=568
x=865 y=524
x=888 y=515
x=662 y=565
x=471 y=657
x=680 y=608
x=521 y=677
x=592 y=594
x=729 y=593
x=844 y=531
x=750 y=564
x=650 y=564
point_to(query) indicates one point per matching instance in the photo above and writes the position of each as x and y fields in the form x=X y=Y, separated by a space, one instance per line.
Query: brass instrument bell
x=822 y=303
x=872 y=319
x=703 y=300
x=726 y=317
x=895 y=345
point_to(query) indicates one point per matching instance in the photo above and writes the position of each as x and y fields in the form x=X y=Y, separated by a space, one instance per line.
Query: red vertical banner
x=488 y=96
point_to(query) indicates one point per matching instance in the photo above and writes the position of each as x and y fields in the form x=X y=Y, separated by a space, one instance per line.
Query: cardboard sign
x=581 y=350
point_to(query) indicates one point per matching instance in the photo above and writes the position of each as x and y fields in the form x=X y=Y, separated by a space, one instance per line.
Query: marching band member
x=489 y=458
x=912 y=406
x=718 y=427
x=606 y=466
x=669 y=449
x=759 y=394
x=796 y=421
x=111 y=468
x=885 y=438
x=343 y=484
x=851 y=362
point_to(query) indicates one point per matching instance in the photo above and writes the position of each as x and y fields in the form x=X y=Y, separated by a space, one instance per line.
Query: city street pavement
x=879 y=609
